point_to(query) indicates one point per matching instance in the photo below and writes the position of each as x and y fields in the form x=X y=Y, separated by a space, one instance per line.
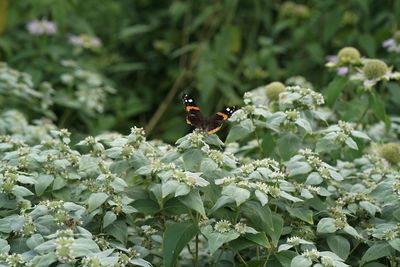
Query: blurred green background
x=151 y=51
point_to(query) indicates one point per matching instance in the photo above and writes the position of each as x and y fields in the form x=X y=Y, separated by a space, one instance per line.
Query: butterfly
x=210 y=125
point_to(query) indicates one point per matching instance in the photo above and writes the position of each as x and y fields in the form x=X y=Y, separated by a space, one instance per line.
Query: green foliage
x=153 y=50
x=308 y=174
x=114 y=199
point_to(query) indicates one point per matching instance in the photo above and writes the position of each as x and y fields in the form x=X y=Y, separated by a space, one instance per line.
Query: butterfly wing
x=194 y=116
x=215 y=123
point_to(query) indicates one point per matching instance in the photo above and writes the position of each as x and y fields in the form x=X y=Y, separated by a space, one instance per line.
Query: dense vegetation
x=307 y=173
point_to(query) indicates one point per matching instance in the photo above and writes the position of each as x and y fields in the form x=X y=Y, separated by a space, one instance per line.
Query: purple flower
x=388 y=43
x=391 y=45
x=342 y=71
x=41 y=27
x=332 y=59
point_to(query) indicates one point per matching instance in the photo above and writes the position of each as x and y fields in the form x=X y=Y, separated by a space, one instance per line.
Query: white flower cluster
x=85 y=41
x=301 y=98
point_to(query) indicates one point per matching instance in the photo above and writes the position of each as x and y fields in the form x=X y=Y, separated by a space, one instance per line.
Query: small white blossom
x=85 y=41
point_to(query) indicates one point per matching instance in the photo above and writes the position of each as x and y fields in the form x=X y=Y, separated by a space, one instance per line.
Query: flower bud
x=349 y=55
x=390 y=152
x=273 y=90
x=375 y=68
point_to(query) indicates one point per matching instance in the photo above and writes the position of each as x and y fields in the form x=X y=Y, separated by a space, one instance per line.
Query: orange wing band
x=214 y=130
x=223 y=115
x=189 y=108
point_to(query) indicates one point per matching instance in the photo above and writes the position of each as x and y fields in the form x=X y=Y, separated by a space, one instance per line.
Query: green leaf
x=298 y=167
x=221 y=202
x=96 y=200
x=46 y=247
x=34 y=241
x=326 y=225
x=193 y=201
x=360 y=134
x=284 y=247
x=301 y=213
x=89 y=165
x=268 y=143
x=4 y=246
x=83 y=247
x=217 y=239
x=351 y=231
x=259 y=239
x=240 y=195
x=276 y=231
x=175 y=238
x=316 y=52
x=394 y=89
x=169 y=187
x=367 y=42
x=237 y=132
x=289 y=196
x=285 y=257
x=314 y=178
x=376 y=251
x=262 y=197
x=118 y=229
x=20 y=191
x=378 y=108
x=351 y=143
x=303 y=123
x=213 y=140
x=140 y=262
x=45 y=260
x=5 y=225
x=287 y=145
x=132 y=31
x=324 y=145
x=23 y=179
x=395 y=243
x=334 y=90
x=147 y=206
x=260 y=216
x=109 y=218
x=43 y=181
x=182 y=190
x=300 y=261
x=192 y=159
x=339 y=245
x=369 y=207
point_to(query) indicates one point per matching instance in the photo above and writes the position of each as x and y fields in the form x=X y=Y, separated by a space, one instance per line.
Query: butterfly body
x=210 y=125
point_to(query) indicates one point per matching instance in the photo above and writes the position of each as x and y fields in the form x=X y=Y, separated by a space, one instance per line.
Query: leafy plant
x=317 y=199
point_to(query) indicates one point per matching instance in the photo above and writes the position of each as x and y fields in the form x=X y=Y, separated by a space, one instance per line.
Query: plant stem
x=242 y=260
x=261 y=150
x=362 y=116
x=186 y=65
x=166 y=102
x=196 y=255
x=64 y=118
x=258 y=252
x=218 y=258
x=267 y=259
